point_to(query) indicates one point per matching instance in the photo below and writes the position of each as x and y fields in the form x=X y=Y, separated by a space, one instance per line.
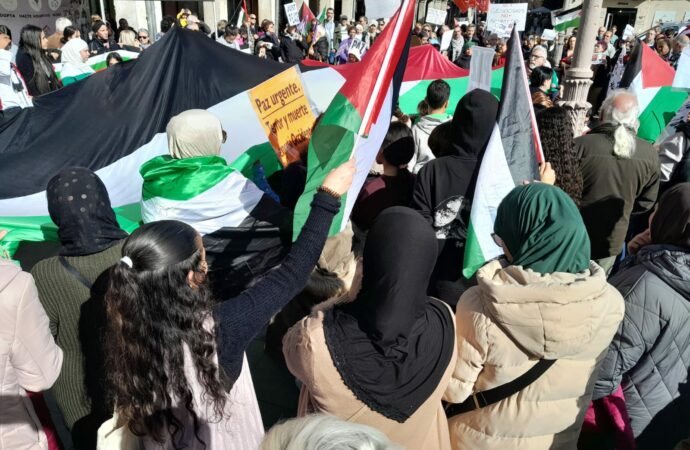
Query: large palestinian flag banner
x=651 y=79
x=358 y=118
x=114 y=121
x=512 y=156
x=424 y=65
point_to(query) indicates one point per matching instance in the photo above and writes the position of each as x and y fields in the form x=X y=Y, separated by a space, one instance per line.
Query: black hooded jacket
x=445 y=186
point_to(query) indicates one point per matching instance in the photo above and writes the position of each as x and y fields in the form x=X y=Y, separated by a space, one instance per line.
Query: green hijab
x=543 y=230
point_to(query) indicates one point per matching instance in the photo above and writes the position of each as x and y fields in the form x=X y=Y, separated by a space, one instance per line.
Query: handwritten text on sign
x=285 y=114
x=502 y=16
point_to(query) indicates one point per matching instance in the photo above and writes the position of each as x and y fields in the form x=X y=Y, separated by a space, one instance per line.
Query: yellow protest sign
x=285 y=114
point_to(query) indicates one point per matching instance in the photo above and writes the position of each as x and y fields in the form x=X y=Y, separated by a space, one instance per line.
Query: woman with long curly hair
x=556 y=133
x=172 y=353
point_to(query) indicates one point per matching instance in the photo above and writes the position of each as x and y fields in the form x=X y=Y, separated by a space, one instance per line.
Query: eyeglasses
x=142 y=37
x=535 y=57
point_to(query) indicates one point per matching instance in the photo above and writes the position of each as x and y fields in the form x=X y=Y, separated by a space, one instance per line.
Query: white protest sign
x=682 y=78
x=358 y=45
x=446 y=39
x=480 y=68
x=380 y=9
x=549 y=35
x=292 y=14
x=436 y=16
x=628 y=32
x=502 y=16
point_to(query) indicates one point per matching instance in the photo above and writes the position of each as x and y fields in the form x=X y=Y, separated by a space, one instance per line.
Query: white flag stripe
x=208 y=211
x=494 y=182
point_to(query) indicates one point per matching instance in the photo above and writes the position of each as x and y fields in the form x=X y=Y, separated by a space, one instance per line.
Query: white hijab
x=193 y=133
x=71 y=57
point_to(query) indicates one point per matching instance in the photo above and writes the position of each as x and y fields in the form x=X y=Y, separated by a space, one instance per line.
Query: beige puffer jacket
x=513 y=318
x=30 y=360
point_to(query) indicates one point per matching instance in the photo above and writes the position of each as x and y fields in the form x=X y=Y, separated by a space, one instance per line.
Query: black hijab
x=79 y=205
x=393 y=344
x=473 y=122
x=671 y=222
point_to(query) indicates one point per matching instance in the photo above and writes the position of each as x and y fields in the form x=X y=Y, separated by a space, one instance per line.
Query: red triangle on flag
x=655 y=71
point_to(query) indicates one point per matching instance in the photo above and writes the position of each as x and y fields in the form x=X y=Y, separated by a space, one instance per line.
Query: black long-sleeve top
x=241 y=318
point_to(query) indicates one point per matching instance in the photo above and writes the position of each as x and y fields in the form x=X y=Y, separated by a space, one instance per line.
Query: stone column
x=579 y=76
x=348 y=8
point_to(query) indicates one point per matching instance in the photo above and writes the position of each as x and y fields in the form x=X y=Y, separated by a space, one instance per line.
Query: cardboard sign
x=283 y=109
x=549 y=35
x=436 y=16
x=292 y=14
x=502 y=16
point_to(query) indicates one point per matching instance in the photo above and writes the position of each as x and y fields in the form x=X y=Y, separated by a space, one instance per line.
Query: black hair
x=112 y=55
x=398 y=146
x=30 y=42
x=97 y=26
x=167 y=23
x=437 y=94
x=155 y=311
x=67 y=33
x=556 y=133
x=4 y=29
x=540 y=75
x=231 y=30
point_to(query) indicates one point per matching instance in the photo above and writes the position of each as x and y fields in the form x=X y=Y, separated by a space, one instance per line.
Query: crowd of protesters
x=576 y=337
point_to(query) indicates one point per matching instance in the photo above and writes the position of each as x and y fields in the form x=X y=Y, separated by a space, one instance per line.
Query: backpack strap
x=481 y=399
x=74 y=272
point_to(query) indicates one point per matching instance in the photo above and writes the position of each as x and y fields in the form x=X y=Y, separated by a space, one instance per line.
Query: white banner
x=292 y=14
x=549 y=35
x=380 y=9
x=446 y=39
x=17 y=13
x=502 y=16
x=436 y=16
x=682 y=78
x=480 y=68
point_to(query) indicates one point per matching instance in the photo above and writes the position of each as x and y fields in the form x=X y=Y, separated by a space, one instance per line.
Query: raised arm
x=240 y=319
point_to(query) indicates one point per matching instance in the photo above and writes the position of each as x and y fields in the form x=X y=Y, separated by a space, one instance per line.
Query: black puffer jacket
x=650 y=353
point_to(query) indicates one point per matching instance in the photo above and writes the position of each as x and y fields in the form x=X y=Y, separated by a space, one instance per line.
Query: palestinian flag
x=511 y=157
x=322 y=15
x=356 y=122
x=563 y=19
x=97 y=62
x=424 y=65
x=304 y=26
x=88 y=124
x=243 y=14
x=651 y=79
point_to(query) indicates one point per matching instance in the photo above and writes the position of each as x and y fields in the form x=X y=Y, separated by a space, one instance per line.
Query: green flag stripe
x=660 y=111
x=330 y=146
x=182 y=179
x=474 y=258
x=41 y=228
x=458 y=87
x=571 y=23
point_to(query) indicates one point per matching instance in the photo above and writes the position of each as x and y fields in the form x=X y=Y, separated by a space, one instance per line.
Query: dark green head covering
x=468 y=44
x=543 y=229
